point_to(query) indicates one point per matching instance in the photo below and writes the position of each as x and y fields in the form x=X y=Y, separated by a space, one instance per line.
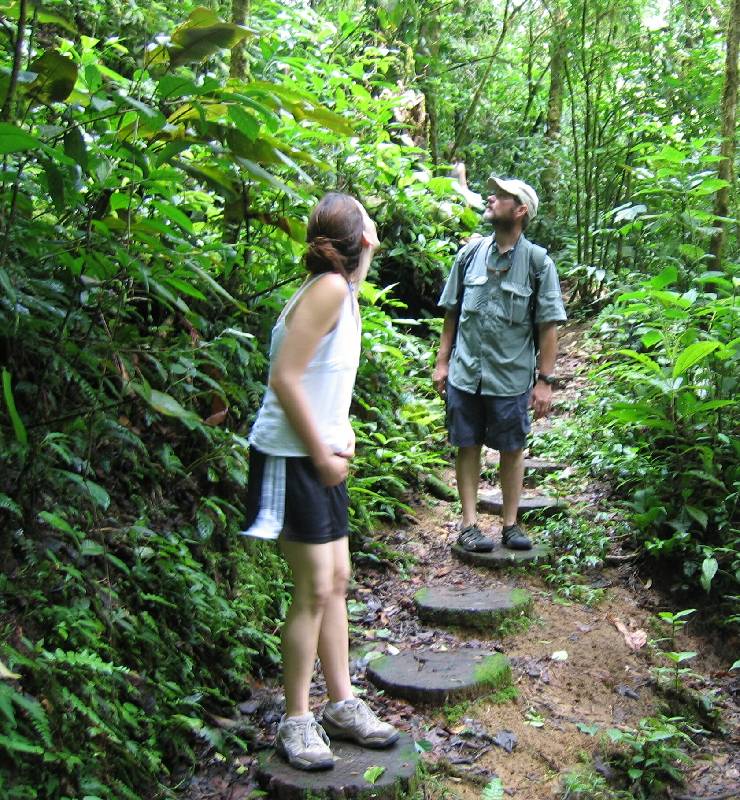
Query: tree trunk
x=6 y=113
x=507 y=18
x=238 y=66
x=551 y=173
x=729 y=121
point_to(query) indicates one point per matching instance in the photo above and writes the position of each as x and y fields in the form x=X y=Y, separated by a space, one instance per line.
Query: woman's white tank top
x=328 y=382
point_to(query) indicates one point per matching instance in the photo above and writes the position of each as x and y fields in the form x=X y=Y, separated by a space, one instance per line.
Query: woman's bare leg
x=312 y=566
x=333 y=647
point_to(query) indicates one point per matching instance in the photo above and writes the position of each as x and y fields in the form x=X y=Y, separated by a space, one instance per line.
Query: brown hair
x=335 y=235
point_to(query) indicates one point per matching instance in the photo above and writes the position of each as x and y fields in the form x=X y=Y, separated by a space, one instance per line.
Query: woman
x=301 y=444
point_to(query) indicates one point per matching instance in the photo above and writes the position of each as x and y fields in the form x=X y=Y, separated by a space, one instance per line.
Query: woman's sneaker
x=303 y=743
x=471 y=538
x=354 y=720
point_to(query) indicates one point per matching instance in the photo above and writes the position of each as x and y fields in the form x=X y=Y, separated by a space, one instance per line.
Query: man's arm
x=541 y=399
x=446 y=342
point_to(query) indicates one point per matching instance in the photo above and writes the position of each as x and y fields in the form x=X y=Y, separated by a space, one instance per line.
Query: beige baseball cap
x=522 y=191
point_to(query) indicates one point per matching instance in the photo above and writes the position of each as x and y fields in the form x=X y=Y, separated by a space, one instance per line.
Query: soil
x=576 y=668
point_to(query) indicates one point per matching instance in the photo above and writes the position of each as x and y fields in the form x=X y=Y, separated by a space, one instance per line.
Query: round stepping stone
x=400 y=762
x=435 y=678
x=503 y=557
x=484 y=609
x=492 y=503
x=541 y=465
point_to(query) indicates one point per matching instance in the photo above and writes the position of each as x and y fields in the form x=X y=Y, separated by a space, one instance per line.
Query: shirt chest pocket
x=516 y=298
x=475 y=293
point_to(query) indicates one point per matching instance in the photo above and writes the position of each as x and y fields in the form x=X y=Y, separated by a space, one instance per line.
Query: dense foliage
x=158 y=164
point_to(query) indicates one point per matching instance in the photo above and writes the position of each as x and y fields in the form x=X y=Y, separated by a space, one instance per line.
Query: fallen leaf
x=559 y=655
x=506 y=740
x=373 y=773
x=634 y=639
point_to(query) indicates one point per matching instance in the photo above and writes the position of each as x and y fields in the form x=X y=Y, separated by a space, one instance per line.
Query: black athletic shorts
x=314 y=514
x=498 y=422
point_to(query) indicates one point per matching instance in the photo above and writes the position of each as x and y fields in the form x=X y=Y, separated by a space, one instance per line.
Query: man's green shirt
x=494 y=347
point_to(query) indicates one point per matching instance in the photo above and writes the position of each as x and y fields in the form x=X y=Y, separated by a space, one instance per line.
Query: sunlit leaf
x=709 y=569
x=372 y=774
x=692 y=355
x=18 y=427
x=15 y=140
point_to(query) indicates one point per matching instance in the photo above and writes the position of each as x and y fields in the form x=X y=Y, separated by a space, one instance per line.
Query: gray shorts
x=501 y=423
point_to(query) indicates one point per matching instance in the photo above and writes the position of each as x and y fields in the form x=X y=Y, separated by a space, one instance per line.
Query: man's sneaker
x=513 y=537
x=471 y=538
x=354 y=720
x=303 y=743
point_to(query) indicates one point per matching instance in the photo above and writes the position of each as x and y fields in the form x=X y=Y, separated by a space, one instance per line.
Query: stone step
x=427 y=677
x=492 y=503
x=483 y=609
x=539 y=465
x=501 y=557
x=346 y=780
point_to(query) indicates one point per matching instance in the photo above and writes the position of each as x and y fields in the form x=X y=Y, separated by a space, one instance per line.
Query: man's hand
x=541 y=399
x=439 y=377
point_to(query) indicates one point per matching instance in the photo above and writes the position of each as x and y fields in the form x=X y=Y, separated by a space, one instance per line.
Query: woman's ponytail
x=334 y=235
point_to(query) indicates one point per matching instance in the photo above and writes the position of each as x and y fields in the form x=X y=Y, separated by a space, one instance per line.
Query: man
x=500 y=287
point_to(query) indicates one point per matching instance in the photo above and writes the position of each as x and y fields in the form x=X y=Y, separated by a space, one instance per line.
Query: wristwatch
x=548 y=379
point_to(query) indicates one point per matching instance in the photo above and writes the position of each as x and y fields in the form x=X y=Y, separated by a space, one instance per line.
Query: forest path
x=579 y=668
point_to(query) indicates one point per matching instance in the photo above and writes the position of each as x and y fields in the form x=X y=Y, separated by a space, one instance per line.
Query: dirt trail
x=601 y=682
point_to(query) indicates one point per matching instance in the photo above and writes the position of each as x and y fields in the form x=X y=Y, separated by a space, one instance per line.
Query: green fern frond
x=494 y=790
x=10 y=505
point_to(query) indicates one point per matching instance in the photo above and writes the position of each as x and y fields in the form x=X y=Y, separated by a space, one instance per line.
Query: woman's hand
x=333 y=469
x=349 y=450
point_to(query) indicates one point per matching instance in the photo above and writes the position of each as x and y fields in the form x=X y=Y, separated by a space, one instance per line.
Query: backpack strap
x=467 y=259
x=536 y=264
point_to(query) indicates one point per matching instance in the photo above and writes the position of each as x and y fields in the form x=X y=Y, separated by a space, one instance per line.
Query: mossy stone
x=346 y=780
x=501 y=557
x=482 y=609
x=438 y=678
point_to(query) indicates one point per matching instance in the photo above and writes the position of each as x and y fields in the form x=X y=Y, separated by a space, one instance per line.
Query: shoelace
x=311 y=734
x=366 y=713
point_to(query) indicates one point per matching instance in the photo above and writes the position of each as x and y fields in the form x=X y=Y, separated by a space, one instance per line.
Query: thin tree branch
x=7 y=108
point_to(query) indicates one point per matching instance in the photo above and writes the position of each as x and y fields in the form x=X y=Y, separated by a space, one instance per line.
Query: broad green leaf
x=679 y=658
x=55 y=185
x=56 y=77
x=18 y=427
x=372 y=774
x=218 y=180
x=184 y=288
x=246 y=123
x=164 y=403
x=736 y=665
x=262 y=175
x=194 y=43
x=709 y=186
x=15 y=140
x=709 y=569
x=699 y=515
x=692 y=355
x=43 y=15
x=668 y=276
x=97 y=493
x=75 y=147
x=174 y=214
x=651 y=337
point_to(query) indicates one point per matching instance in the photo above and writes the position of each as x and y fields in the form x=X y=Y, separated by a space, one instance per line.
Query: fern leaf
x=494 y=790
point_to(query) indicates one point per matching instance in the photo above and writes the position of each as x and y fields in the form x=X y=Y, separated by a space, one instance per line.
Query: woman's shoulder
x=329 y=289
